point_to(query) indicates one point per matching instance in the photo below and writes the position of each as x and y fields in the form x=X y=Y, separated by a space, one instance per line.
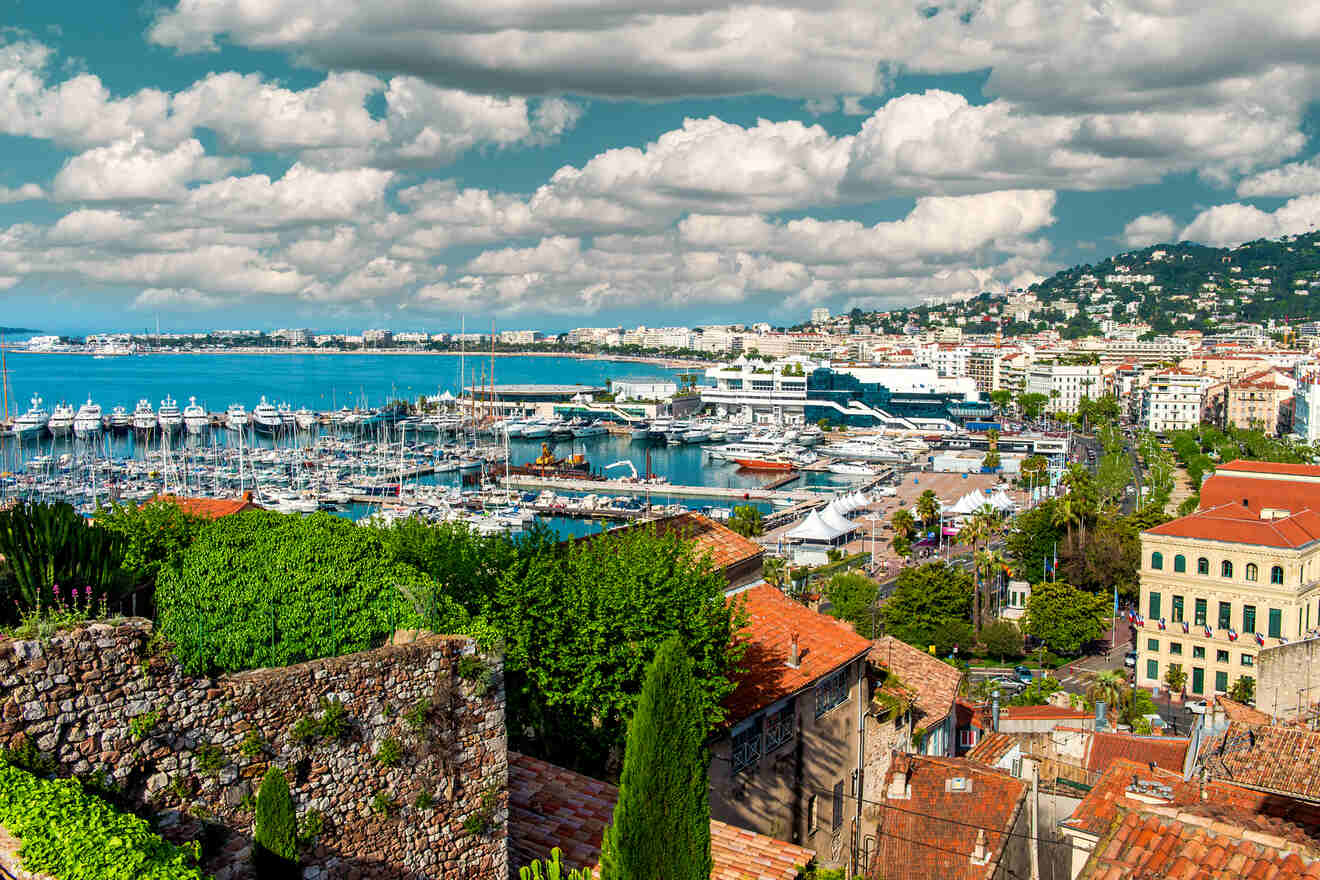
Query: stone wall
x=1288 y=682
x=88 y=698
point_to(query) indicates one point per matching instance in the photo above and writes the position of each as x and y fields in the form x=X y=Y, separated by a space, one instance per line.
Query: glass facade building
x=835 y=395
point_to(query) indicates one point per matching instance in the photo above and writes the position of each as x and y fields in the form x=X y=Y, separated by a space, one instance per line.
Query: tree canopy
x=852 y=596
x=1064 y=617
x=929 y=600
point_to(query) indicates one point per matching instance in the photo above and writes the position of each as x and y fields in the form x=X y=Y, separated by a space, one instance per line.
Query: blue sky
x=561 y=163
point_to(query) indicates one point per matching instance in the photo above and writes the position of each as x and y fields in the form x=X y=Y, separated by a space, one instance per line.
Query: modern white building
x=1173 y=401
x=1306 y=406
x=1064 y=384
x=820 y=315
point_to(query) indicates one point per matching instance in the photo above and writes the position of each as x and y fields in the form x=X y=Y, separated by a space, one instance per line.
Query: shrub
x=26 y=756
x=418 y=714
x=143 y=725
x=388 y=752
x=276 y=830
x=211 y=758
x=311 y=825
x=265 y=589
x=52 y=553
x=334 y=720
x=383 y=804
x=482 y=819
x=423 y=801
x=252 y=744
x=151 y=532
x=305 y=730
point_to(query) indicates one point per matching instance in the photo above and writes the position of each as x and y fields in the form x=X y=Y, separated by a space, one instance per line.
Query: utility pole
x=1034 y=840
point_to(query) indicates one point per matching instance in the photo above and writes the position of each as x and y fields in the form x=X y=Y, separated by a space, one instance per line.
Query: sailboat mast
x=4 y=377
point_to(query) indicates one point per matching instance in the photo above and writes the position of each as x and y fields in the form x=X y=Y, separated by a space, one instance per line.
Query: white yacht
x=61 y=420
x=287 y=421
x=696 y=435
x=144 y=417
x=537 y=429
x=87 y=421
x=852 y=469
x=749 y=448
x=864 y=449
x=169 y=417
x=641 y=431
x=32 y=421
x=304 y=419
x=195 y=418
x=120 y=419
x=266 y=418
x=236 y=417
x=595 y=429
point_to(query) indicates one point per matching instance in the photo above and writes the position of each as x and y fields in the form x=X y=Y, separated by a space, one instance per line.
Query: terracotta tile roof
x=1037 y=713
x=1273 y=758
x=1165 y=751
x=934 y=682
x=210 y=508
x=1260 y=492
x=971 y=714
x=1232 y=523
x=1236 y=711
x=1098 y=810
x=1269 y=467
x=1148 y=845
x=764 y=676
x=551 y=806
x=726 y=547
x=992 y=748
x=932 y=834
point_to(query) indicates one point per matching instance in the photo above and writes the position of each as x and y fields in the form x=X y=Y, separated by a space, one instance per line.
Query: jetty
x=628 y=487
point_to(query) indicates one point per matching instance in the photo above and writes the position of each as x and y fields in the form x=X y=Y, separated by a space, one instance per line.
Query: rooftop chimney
x=794 y=652
x=1099 y=714
x=994 y=712
x=981 y=853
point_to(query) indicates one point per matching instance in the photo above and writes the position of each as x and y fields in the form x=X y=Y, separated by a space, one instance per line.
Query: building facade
x=1064 y=384
x=1173 y=401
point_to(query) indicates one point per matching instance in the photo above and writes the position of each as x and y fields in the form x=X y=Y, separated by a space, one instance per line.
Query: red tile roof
x=1148 y=844
x=551 y=806
x=1236 y=711
x=1269 y=467
x=764 y=676
x=1034 y=713
x=210 y=508
x=1105 y=748
x=1273 y=758
x=934 y=682
x=932 y=834
x=1260 y=492
x=726 y=548
x=1098 y=810
x=992 y=748
x=1232 y=523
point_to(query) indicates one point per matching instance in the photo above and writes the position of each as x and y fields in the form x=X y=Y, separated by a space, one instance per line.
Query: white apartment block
x=377 y=337
x=948 y=360
x=1306 y=406
x=1064 y=385
x=820 y=315
x=520 y=337
x=1173 y=401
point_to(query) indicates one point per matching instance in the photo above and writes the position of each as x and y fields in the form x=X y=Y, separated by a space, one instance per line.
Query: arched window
x=1157 y=560
x=1276 y=574
x=1251 y=572
x=1180 y=563
x=1226 y=569
x=1203 y=566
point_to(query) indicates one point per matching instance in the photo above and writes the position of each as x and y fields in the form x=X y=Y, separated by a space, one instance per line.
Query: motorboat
x=87 y=421
x=640 y=431
x=809 y=436
x=595 y=429
x=169 y=417
x=749 y=448
x=537 y=429
x=61 y=420
x=865 y=450
x=195 y=418
x=236 y=417
x=287 y=420
x=304 y=419
x=852 y=469
x=120 y=419
x=266 y=418
x=696 y=435
x=777 y=463
x=144 y=417
x=32 y=421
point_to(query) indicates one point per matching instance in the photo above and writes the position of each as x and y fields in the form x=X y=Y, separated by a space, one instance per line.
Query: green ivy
x=389 y=752
x=73 y=835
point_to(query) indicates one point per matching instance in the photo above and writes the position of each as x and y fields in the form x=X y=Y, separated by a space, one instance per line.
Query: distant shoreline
x=677 y=363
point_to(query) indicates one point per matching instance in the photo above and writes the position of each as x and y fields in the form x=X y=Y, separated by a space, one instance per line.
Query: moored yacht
x=195 y=418
x=595 y=429
x=266 y=418
x=61 y=420
x=144 y=417
x=640 y=431
x=87 y=421
x=32 y=421
x=852 y=469
x=120 y=419
x=304 y=419
x=236 y=417
x=169 y=418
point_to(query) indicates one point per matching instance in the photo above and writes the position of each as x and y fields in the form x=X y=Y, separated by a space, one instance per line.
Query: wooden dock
x=621 y=487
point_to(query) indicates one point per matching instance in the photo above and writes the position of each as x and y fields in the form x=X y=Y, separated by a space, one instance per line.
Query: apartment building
x=1260 y=400
x=1306 y=406
x=1241 y=573
x=987 y=368
x=1064 y=384
x=1173 y=401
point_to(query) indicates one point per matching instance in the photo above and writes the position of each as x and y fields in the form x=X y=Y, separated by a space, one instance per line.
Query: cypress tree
x=661 y=826
x=276 y=847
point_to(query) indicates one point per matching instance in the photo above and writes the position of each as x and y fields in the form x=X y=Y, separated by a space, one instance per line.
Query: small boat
x=696 y=435
x=640 y=431
x=87 y=421
x=852 y=469
x=170 y=418
x=61 y=420
x=144 y=417
x=195 y=419
x=537 y=429
x=765 y=464
x=595 y=429
x=305 y=419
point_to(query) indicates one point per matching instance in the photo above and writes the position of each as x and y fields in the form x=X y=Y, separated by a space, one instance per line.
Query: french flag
x=1161 y=623
x=1208 y=633
x=1232 y=635
x=1186 y=629
x=1132 y=618
x=1260 y=640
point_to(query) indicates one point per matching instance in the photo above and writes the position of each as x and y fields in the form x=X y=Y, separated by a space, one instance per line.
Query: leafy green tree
x=746 y=520
x=1032 y=405
x=1002 y=639
x=1064 y=617
x=925 y=598
x=1109 y=558
x=1139 y=704
x=1175 y=678
x=852 y=597
x=275 y=832
x=266 y=589
x=465 y=564
x=1112 y=477
x=1109 y=685
x=1037 y=693
x=1032 y=540
x=152 y=533
x=53 y=553
x=661 y=824
x=579 y=622
x=1001 y=399
x=1243 y=690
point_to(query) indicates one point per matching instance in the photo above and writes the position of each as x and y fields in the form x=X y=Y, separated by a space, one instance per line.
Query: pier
x=622 y=487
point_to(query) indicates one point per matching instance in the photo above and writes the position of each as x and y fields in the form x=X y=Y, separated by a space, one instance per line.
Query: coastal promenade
x=627 y=487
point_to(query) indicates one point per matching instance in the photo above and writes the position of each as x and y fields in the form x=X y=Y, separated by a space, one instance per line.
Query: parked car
x=1009 y=686
x=1156 y=722
x=1130 y=659
x=1197 y=707
x=1023 y=674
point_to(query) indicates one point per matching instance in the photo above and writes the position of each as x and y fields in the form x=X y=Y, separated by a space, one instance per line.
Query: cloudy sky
x=561 y=163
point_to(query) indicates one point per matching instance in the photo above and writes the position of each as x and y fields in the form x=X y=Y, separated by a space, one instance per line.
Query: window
x=1198 y=680
x=1200 y=612
x=1251 y=571
x=967 y=738
x=813 y=818
x=1276 y=574
x=1225 y=615
x=1203 y=566
x=1248 y=660
x=1221 y=656
x=1175 y=647
x=1226 y=569
x=1221 y=681
x=1153 y=645
x=1180 y=563
x=1154 y=606
x=1176 y=613
x=1248 y=618
x=780 y=727
x=836 y=820
x=1153 y=670
x=1198 y=652
x=746 y=750
x=831 y=692
x=1157 y=560
x=1276 y=623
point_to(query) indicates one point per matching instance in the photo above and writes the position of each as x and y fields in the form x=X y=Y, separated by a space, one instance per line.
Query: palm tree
x=988 y=564
x=1064 y=514
x=1110 y=686
x=903 y=522
x=775 y=570
x=928 y=507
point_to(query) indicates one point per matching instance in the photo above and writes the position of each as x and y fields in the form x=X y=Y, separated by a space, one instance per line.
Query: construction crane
x=625 y=463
